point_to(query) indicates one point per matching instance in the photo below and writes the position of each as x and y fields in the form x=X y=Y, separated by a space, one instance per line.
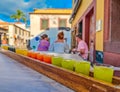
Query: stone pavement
x=15 y=77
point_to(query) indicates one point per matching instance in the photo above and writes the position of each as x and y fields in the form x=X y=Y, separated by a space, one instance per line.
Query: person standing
x=82 y=47
x=44 y=43
x=4 y=41
x=60 y=45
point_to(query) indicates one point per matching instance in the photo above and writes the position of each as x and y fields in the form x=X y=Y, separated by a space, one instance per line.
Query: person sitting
x=44 y=43
x=82 y=47
x=59 y=46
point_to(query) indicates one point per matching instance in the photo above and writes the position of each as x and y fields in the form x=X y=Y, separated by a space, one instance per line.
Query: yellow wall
x=100 y=16
x=84 y=5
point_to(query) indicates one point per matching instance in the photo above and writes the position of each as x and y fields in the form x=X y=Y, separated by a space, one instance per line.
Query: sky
x=9 y=7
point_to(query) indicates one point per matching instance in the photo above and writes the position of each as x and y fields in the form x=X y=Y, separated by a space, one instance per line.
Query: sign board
x=98 y=25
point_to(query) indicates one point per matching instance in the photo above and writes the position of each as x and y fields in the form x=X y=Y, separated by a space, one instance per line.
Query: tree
x=19 y=16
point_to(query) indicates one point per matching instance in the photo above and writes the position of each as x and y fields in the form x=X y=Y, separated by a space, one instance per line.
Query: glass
x=25 y=52
x=82 y=67
x=103 y=72
x=17 y=51
x=34 y=55
x=40 y=57
x=68 y=64
x=57 y=60
x=5 y=47
x=47 y=58
x=29 y=53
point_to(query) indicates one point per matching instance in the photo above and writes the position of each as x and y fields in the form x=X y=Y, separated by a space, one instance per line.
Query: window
x=15 y=30
x=62 y=22
x=23 y=32
x=44 y=23
x=27 y=34
x=19 y=32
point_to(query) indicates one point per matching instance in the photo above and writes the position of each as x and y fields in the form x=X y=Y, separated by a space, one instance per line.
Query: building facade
x=42 y=19
x=3 y=32
x=98 y=21
x=18 y=35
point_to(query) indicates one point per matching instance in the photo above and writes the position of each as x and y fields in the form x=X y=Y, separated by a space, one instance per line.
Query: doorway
x=90 y=34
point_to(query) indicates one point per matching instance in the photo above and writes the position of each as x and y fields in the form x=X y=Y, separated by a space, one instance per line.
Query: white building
x=3 y=32
x=18 y=35
x=42 y=19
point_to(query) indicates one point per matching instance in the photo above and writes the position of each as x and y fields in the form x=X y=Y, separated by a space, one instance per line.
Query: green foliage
x=19 y=15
